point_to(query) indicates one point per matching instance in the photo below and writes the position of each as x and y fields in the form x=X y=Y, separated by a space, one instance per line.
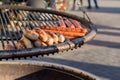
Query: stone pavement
x=101 y=56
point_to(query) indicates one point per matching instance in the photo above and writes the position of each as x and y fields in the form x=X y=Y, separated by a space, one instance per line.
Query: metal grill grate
x=13 y=23
x=14 y=20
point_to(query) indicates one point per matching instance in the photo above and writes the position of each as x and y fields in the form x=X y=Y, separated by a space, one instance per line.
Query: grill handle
x=83 y=11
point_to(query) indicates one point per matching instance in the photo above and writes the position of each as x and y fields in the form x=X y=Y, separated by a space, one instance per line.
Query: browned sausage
x=26 y=42
x=31 y=34
x=54 y=36
x=42 y=34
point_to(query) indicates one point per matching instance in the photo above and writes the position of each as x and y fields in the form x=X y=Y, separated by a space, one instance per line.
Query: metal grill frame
x=27 y=66
x=68 y=45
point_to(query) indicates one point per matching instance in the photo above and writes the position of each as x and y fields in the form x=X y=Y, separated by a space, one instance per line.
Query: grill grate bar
x=44 y=23
x=43 y=19
x=3 y=31
x=37 y=15
x=36 y=22
x=7 y=30
x=12 y=25
x=26 y=20
x=32 y=21
x=41 y=24
x=2 y=41
x=49 y=17
x=56 y=17
x=53 y=18
x=46 y=18
x=18 y=22
x=48 y=23
x=34 y=16
x=18 y=35
x=21 y=21
x=52 y=23
x=39 y=18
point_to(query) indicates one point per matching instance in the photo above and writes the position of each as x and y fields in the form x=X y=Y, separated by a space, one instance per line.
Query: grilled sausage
x=50 y=40
x=61 y=23
x=9 y=47
x=61 y=38
x=26 y=42
x=31 y=34
x=19 y=45
x=37 y=43
x=43 y=44
x=54 y=36
x=72 y=34
x=69 y=24
x=42 y=34
x=76 y=23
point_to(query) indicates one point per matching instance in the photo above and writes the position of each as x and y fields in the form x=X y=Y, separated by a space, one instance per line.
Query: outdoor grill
x=15 y=19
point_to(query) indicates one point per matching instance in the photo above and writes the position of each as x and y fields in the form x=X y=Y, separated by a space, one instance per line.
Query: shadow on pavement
x=105 y=44
x=109 y=33
x=106 y=30
x=106 y=10
x=104 y=71
x=115 y=10
x=107 y=27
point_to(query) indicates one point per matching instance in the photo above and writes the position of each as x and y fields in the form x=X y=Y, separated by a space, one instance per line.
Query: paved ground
x=101 y=56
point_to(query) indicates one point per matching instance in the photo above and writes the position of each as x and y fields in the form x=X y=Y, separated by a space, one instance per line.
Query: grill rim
x=75 y=72
x=4 y=54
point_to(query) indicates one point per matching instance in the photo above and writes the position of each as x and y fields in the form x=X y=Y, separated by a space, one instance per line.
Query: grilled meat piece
x=9 y=47
x=31 y=34
x=19 y=45
x=54 y=36
x=26 y=42
x=50 y=40
x=61 y=38
x=43 y=44
x=42 y=34
x=37 y=43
